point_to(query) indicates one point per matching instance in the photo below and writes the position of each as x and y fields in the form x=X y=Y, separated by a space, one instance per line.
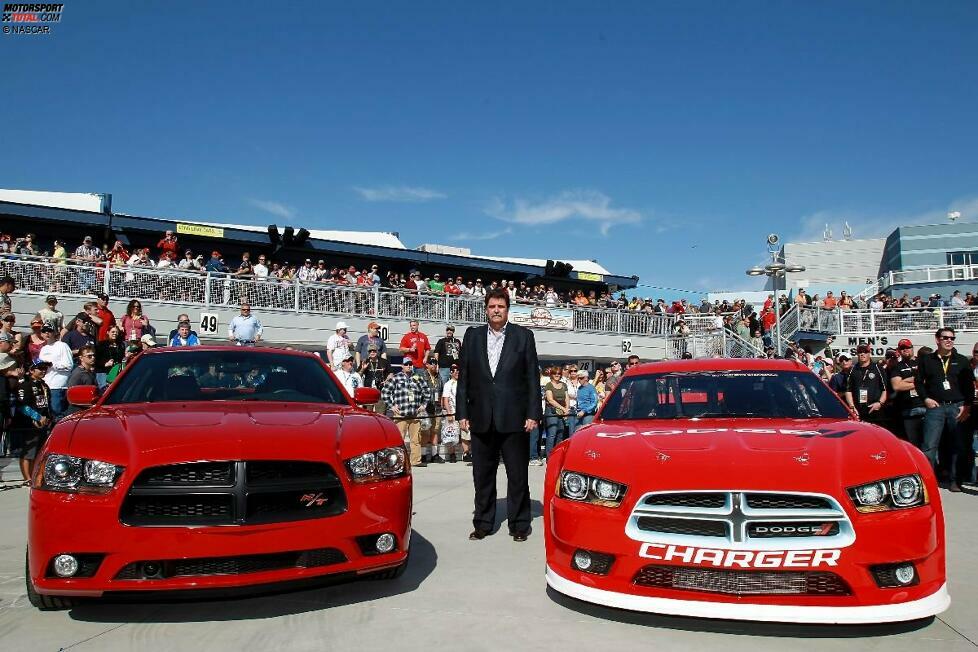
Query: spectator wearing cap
x=34 y=341
x=374 y=275
x=103 y=317
x=946 y=384
x=447 y=351
x=415 y=345
x=51 y=315
x=132 y=350
x=587 y=399
x=184 y=336
x=188 y=263
x=436 y=285
x=906 y=399
x=431 y=425
x=843 y=367
x=372 y=338
x=147 y=342
x=58 y=355
x=307 y=272
x=244 y=328
x=374 y=370
x=135 y=323
x=406 y=397
x=479 y=290
x=10 y=373
x=7 y=285
x=337 y=346
x=866 y=387
x=215 y=264
x=32 y=416
x=347 y=374
x=78 y=335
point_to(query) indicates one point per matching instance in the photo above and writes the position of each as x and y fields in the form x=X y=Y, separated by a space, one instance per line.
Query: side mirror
x=366 y=395
x=83 y=395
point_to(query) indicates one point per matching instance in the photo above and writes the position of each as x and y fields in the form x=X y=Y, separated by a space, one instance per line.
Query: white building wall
x=835 y=264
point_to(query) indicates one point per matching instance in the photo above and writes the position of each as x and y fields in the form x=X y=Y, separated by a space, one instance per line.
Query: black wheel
x=44 y=602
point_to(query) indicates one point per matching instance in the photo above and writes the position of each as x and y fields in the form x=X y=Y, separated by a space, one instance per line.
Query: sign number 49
x=208 y=323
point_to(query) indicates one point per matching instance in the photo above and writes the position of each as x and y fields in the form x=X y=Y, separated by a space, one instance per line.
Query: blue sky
x=664 y=139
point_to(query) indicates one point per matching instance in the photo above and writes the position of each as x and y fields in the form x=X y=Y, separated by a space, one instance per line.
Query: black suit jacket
x=506 y=401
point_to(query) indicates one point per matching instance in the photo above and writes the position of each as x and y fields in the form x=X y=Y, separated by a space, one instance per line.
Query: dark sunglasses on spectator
x=947 y=337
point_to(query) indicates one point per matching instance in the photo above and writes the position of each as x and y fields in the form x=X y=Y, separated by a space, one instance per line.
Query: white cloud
x=572 y=204
x=491 y=235
x=273 y=207
x=868 y=225
x=399 y=194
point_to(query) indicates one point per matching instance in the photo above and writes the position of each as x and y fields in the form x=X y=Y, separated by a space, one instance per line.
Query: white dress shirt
x=494 y=346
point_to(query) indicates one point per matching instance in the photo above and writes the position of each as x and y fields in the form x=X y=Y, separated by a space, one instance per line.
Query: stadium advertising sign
x=541 y=317
x=200 y=230
x=590 y=276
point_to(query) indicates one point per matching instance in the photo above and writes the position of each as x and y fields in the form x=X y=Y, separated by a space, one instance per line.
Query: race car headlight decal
x=69 y=473
x=379 y=465
x=585 y=488
x=893 y=493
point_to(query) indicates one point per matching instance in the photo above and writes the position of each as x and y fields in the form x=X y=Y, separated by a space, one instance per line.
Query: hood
x=167 y=433
x=761 y=454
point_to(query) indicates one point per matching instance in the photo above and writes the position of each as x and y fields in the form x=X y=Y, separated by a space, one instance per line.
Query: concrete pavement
x=458 y=594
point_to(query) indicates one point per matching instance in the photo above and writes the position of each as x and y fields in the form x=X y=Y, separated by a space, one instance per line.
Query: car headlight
x=589 y=489
x=893 y=493
x=70 y=473
x=379 y=465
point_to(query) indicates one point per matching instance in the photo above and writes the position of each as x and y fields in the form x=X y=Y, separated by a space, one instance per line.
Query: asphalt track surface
x=456 y=594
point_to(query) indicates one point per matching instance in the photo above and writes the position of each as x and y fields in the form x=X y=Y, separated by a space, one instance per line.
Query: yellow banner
x=201 y=230
x=589 y=276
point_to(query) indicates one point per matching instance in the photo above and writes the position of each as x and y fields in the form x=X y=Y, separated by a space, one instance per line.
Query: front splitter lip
x=925 y=607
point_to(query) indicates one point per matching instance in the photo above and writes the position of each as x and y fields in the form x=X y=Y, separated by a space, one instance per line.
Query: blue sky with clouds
x=664 y=139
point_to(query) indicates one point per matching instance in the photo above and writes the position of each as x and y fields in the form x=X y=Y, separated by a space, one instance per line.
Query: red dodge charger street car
x=216 y=468
x=743 y=489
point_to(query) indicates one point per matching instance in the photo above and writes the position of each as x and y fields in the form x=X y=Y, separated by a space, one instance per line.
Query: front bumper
x=89 y=524
x=885 y=538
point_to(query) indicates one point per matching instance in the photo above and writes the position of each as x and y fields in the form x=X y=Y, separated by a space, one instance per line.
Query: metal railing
x=935 y=274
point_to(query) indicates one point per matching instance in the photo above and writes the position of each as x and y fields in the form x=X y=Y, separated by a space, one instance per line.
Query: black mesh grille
x=240 y=565
x=711 y=580
x=194 y=509
x=214 y=474
x=703 y=500
x=690 y=526
x=786 y=501
x=228 y=493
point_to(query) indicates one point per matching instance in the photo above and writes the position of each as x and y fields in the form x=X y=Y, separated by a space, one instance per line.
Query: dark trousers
x=913 y=426
x=487 y=447
x=941 y=429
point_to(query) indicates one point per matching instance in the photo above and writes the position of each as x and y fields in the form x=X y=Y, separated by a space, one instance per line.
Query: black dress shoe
x=479 y=534
x=520 y=536
x=420 y=464
x=437 y=459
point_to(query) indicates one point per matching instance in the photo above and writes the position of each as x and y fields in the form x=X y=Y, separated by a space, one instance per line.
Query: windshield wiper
x=720 y=415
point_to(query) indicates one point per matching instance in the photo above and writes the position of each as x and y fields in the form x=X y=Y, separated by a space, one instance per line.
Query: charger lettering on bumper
x=740 y=558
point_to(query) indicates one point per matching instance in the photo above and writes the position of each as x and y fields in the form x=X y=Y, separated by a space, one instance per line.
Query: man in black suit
x=498 y=400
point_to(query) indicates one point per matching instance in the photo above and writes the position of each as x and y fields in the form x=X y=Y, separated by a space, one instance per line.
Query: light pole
x=777 y=270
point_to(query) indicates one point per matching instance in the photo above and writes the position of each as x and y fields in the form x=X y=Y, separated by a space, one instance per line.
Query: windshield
x=232 y=375
x=722 y=394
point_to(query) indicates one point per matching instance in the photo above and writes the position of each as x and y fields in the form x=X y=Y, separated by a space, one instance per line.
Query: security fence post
x=105 y=282
x=297 y=286
x=376 y=301
x=940 y=317
x=207 y=289
x=872 y=321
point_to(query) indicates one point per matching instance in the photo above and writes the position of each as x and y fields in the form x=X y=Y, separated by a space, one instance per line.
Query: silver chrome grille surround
x=737 y=515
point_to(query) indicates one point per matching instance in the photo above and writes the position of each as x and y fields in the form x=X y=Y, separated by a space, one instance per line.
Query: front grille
x=703 y=500
x=190 y=509
x=786 y=501
x=728 y=582
x=741 y=520
x=690 y=526
x=214 y=474
x=233 y=493
x=241 y=565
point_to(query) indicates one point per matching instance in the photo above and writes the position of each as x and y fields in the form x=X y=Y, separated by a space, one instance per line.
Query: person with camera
x=557 y=407
x=431 y=422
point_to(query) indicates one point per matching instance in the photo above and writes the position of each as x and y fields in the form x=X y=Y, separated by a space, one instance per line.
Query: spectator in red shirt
x=415 y=347
x=168 y=246
x=767 y=320
x=103 y=313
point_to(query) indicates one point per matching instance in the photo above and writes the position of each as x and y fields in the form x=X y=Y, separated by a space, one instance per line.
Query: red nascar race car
x=216 y=468
x=743 y=489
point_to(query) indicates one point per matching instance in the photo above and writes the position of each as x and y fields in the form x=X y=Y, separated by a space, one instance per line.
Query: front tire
x=44 y=602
